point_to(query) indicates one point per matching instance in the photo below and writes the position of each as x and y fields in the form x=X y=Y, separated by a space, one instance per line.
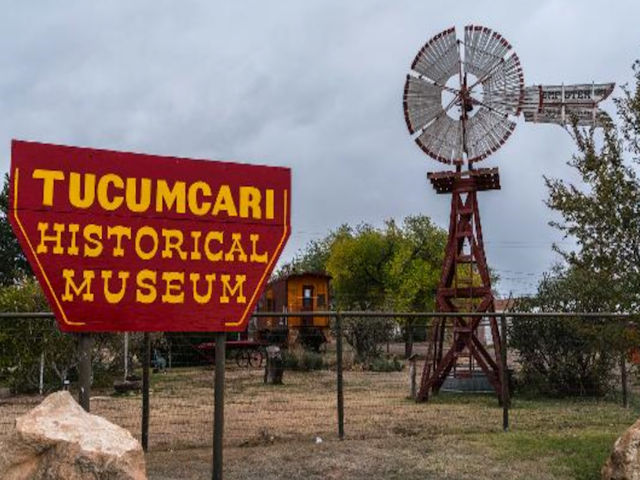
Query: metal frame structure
x=465 y=285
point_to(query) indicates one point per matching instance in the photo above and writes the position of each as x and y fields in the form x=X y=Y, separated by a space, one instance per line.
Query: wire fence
x=349 y=374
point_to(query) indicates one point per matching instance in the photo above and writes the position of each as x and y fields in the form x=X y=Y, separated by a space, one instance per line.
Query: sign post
x=132 y=242
x=84 y=370
x=218 y=408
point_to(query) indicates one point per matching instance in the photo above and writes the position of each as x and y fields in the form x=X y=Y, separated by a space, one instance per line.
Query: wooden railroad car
x=300 y=292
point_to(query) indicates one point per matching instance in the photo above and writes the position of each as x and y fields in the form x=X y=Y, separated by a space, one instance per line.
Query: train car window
x=307 y=296
x=320 y=300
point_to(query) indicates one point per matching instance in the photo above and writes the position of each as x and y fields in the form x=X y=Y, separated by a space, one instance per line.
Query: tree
x=13 y=263
x=566 y=356
x=394 y=267
x=314 y=256
x=602 y=214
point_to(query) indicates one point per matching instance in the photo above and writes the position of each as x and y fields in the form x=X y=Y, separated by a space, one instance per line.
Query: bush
x=366 y=335
x=302 y=361
x=567 y=356
x=23 y=341
x=382 y=364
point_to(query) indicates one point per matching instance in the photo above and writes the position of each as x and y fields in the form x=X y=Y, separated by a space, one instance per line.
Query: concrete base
x=477 y=382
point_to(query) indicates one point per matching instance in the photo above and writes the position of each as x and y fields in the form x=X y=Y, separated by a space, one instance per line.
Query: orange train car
x=299 y=292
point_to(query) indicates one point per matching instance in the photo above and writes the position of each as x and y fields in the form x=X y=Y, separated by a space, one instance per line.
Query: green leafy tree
x=602 y=214
x=389 y=268
x=13 y=263
x=567 y=356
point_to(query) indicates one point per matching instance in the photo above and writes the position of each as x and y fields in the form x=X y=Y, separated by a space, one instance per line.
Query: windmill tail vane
x=565 y=104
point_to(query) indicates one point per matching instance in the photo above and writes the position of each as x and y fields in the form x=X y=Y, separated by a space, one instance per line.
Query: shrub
x=302 y=360
x=383 y=364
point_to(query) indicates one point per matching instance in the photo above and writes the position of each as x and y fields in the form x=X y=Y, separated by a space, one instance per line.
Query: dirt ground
x=271 y=432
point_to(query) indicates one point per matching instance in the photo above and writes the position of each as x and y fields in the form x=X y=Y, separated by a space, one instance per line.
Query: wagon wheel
x=255 y=358
x=243 y=358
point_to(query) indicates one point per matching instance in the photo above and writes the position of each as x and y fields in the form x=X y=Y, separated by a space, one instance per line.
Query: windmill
x=461 y=100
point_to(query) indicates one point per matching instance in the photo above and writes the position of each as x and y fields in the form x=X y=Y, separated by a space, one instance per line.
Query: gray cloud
x=313 y=85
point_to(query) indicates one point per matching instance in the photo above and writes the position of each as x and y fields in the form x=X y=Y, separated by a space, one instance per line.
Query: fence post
x=218 y=409
x=146 y=354
x=625 y=386
x=84 y=370
x=339 y=382
x=505 y=375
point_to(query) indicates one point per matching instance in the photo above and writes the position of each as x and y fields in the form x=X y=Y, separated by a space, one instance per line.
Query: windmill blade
x=475 y=121
x=442 y=140
x=487 y=131
x=484 y=50
x=439 y=59
x=504 y=88
x=422 y=103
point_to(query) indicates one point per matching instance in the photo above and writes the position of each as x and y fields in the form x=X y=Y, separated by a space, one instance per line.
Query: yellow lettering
x=70 y=286
x=174 y=282
x=255 y=257
x=75 y=198
x=168 y=197
x=103 y=191
x=118 y=231
x=93 y=237
x=228 y=291
x=250 y=198
x=196 y=207
x=110 y=296
x=146 y=291
x=143 y=203
x=140 y=234
x=217 y=237
x=195 y=252
x=49 y=178
x=73 y=229
x=58 y=228
x=268 y=214
x=236 y=246
x=224 y=202
x=173 y=240
x=195 y=278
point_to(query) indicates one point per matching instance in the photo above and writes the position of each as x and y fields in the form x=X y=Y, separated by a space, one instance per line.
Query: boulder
x=58 y=440
x=624 y=461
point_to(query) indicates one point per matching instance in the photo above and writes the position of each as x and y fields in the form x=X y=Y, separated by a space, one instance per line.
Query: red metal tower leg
x=465 y=286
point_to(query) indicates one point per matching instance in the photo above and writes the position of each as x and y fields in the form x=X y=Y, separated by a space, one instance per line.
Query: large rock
x=624 y=462
x=58 y=440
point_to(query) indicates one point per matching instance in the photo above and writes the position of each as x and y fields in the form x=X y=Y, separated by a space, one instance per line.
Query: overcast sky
x=313 y=85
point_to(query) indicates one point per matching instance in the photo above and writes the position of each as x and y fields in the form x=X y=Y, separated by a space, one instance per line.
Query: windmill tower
x=461 y=100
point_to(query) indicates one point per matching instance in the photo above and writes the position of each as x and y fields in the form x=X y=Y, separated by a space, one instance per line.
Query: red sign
x=131 y=242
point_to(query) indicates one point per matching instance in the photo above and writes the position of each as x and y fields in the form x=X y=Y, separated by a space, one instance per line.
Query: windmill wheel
x=461 y=96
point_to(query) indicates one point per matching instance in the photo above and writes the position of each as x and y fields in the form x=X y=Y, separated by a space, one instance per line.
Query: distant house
x=500 y=305
x=299 y=292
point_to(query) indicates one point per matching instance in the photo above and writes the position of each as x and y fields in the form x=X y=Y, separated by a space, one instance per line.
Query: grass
x=270 y=431
x=580 y=454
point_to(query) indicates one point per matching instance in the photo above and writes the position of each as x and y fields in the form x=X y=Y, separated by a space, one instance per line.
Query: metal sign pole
x=145 y=391
x=218 y=413
x=84 y=370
